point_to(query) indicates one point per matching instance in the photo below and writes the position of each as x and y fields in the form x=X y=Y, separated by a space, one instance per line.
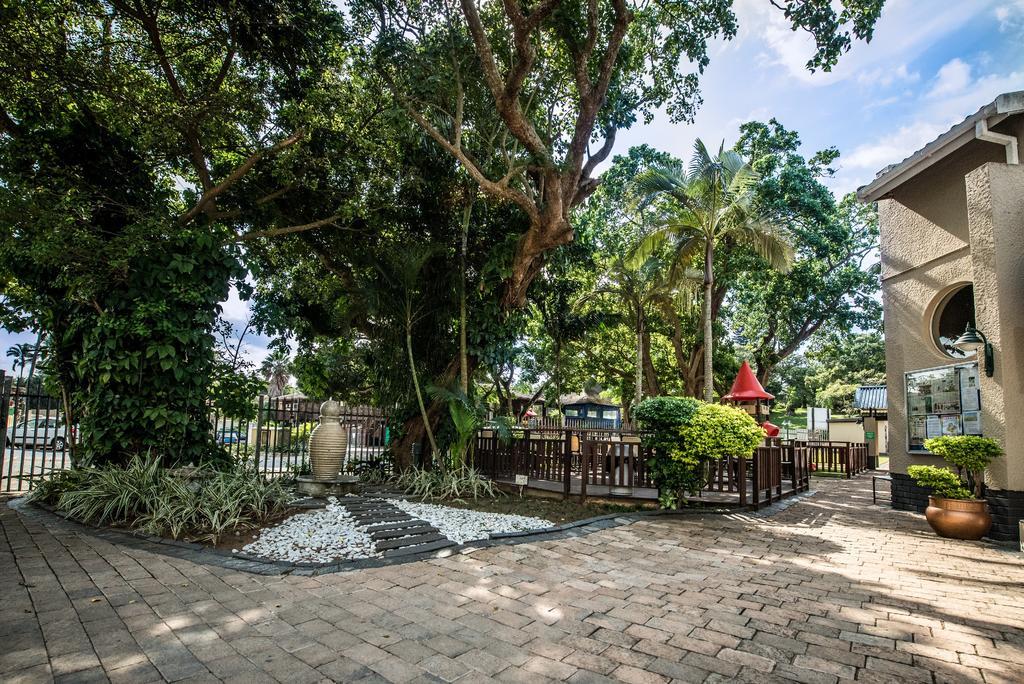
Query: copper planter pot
x=958 y=518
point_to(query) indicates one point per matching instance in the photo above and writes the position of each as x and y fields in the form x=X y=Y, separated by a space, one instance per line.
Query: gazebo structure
x=748 y=394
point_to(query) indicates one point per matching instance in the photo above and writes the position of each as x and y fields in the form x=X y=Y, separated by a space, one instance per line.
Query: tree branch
x=506 y=92
x=274 y=232
x=237 y=174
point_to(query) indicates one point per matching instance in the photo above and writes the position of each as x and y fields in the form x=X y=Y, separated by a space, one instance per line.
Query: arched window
x=951 y=318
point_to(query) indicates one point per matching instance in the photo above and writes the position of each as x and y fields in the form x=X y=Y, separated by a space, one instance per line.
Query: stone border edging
x=261 y=566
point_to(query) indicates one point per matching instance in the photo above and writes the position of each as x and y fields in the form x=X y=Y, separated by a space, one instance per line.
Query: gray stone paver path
x=829 y=589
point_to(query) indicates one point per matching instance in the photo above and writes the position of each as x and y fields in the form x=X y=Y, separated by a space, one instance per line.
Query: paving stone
x=819 y=591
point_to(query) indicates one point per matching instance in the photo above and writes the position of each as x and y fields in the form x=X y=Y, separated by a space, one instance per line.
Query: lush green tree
x=528 y=97
x=713 y=201
x=841 y=362
x=140 y=143
x=833 y=282
x=640 y=290
x=559 y=323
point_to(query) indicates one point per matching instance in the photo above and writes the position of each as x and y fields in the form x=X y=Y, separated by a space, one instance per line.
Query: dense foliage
x=198 y=504
x=139 y=144
x=685 y=435
x=717 y=431
x=154 y=154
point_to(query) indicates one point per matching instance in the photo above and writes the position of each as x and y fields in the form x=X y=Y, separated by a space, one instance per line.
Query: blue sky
x=930 y=64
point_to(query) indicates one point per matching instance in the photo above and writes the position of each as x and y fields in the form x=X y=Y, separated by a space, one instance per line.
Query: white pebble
x=462 y=525
x=316 y=537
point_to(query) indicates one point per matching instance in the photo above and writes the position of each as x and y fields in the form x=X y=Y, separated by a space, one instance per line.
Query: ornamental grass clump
x=201 y=504
x=453 y=485
x=969 y=454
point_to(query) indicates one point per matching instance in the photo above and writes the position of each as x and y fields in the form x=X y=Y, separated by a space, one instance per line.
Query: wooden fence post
x=567 y=465
x=741 y=477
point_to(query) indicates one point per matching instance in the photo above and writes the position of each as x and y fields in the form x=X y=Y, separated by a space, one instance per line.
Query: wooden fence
x=848 y=458
x=778 y=469
x=614 y=463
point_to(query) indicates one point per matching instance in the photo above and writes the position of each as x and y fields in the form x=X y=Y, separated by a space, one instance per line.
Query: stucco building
x=952 y=248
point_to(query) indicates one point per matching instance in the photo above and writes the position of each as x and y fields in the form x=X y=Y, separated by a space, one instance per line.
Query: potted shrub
x=956 y=508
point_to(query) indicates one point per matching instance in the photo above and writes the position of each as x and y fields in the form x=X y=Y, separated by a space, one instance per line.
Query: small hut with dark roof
x=590 y=410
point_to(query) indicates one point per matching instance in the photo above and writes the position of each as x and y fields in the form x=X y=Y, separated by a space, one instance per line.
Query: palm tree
x=277 y=369
x=402 y=295
x=22 y=355
x=711 y=201
x=640 y=288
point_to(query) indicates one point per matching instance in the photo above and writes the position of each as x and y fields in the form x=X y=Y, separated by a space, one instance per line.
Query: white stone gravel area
x=462 y=525
x=317 y=537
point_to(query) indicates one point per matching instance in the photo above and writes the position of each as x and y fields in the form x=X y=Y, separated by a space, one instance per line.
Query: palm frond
x=769 y=242
x=668 y=180
x=681 y=269
x=648 y=246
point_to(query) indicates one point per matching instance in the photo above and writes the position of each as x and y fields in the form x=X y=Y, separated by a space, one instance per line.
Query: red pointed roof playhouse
x=746 y=387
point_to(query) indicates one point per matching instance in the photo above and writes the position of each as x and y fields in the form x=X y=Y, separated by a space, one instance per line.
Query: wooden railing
x=778 y=468
x=593 y=461
x=617 y=465
x=849 y=458
x=537 y=457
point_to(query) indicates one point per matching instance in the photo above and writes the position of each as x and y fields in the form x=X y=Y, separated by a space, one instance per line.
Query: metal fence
x=36 y=441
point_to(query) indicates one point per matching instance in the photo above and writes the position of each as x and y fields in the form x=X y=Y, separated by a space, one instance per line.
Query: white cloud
x=887 y=76
x=935 y=113
x=1010 y=15
x=233 y=308
x=952 y=77
x=903 y=32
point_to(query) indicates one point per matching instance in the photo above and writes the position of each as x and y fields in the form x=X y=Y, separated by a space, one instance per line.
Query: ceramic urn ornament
x=328 y=443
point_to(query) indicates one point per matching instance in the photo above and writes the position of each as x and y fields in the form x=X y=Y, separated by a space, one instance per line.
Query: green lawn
x=798 y=421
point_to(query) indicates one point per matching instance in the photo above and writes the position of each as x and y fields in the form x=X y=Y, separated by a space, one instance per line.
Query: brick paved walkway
x=829 y=589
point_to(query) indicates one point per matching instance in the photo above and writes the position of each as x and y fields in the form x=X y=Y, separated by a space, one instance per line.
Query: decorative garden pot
x=328 y=443
x=958 y=518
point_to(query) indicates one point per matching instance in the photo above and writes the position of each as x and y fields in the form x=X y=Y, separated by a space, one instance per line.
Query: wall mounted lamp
x=971 y=341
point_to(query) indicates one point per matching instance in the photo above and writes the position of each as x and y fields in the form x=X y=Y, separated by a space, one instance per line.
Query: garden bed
x=355 y=528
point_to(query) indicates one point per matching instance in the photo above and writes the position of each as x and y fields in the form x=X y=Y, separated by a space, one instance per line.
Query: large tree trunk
x=413 y=430
x=639 y=394
x=709 y=280
x=652 y=387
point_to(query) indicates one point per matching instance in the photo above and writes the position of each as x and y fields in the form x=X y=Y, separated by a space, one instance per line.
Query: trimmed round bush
x=970 y=455
x=943 y=483
x=718 y=431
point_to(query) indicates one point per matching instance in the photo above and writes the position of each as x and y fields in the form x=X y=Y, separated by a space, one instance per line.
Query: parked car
x=229 y=436
x=38 y=432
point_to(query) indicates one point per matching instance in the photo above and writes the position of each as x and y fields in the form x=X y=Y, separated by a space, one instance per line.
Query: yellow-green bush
x=717 y=431
x=686 y=435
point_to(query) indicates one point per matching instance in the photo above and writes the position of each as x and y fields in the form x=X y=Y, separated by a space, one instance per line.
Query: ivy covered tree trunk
x=143 y=362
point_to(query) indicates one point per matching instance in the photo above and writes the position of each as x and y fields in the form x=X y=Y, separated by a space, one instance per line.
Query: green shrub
x=685 y=434
x=661 y=417
x=718 y=431
x=970 y=455
x=200 y=503
x=943 y=483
